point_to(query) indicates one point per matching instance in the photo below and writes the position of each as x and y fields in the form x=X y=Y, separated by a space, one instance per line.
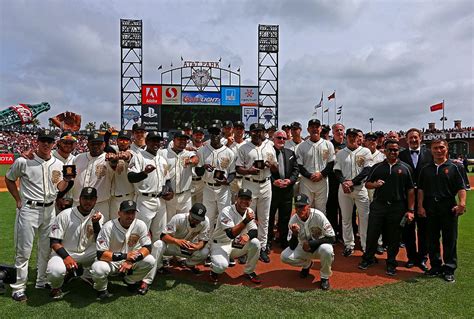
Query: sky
x=387 y=59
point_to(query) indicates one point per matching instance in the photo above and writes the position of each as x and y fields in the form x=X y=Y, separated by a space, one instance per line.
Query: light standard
x=371 y=120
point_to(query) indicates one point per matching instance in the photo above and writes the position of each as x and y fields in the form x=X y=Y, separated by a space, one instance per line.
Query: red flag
x=332 y=96
x=437 y=107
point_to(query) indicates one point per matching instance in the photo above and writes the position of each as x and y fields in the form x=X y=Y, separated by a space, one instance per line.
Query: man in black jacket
x=416 y=156
x=282 y=180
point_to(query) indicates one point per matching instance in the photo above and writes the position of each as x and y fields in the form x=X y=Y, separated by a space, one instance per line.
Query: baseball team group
x=217 y=196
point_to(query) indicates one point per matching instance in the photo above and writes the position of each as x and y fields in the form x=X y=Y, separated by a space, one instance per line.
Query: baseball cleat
x=449 y=278
x=364 y=264
x=422 y=266
x=433 y=272
x=253 y=278
x=20 y=296
x=207 y=263
x=410 y=264
x=194 y=270
x=391 y=271
x=379 y=250
x=264 y=256
x=57 y=294
x=348 y=251
x=325 y=284
x=232 y=263
x=143 y=288
x=305 y=271
x=105 y=294
x=43 y=285
x=214 y=277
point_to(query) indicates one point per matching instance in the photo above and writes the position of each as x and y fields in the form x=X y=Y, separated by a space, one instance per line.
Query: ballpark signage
x=448 y=136
x=230 y=95
x=7 y=159
x=151 y=117
x=171 y=95
x=249 y=96
x=151 y=94
x=201 y=98
x=249 y=116
x=200 y=64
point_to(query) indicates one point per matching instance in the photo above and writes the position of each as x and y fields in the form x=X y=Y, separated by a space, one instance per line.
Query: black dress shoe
x=410 y=264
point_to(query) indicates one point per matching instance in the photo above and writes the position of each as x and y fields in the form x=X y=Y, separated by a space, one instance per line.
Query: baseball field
x=177 y=297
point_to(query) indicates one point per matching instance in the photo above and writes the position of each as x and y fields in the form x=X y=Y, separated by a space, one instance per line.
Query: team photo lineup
x=130 y=204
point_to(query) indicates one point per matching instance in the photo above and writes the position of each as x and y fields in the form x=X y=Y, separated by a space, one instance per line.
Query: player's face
x=188 y=132
x=391 y=152
x=414 y=140
x=139 y=135
x=227 y=130
x=45 y=146
x=439 y=151
x=314 y=132
x=126 y=218
x=239 y=131
x=352 y=140
x=257 y=136
x=371 y=143
x=215 y=137
x=96 y=148
x=243 y=203
x=180 y=143
x=295 y=132
x=270 y=133
x=66 y=146
x=153 y=145
x=193 y=222
x=198 y=136
x=338 y=132
x=392 y=136
x=303 y=212
x=360 y=138
x=279 y=141
x=87 y=203
x=123 y=144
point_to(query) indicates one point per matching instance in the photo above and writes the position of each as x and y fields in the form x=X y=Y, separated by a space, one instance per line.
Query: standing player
x=40 y=181
x=296 y=139
x=239 y=132
x=65 y=147
x=139 y=133
x=197 y=185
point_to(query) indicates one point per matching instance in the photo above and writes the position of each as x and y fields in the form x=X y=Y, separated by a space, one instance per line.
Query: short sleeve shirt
x=228 y=218
x=179 y=228
x=221 y=159
x=115 y=238
x=315 y=227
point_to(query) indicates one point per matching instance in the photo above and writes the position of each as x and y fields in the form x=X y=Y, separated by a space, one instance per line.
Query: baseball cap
x=198 y=129
x=198 y=211
x=187 y=126
x=138 y=127
x=128 y=205
x=301 y=200
x=370 y=135
x=314 y=122
x=295 y=125
x=228 y=124
x=125 y=134
x=68 y=136
x=239 y=124
x=89 y=192
x=46 y=134
x=95 y=137
x=352 y=131
x=272 y=128
x=325 y=128
x=216 y=121
x=244 y=192
x=153 y=134
x=181 y=134
x=257 y=127
x=379 y=133
x=285 y=127
x=214 y=129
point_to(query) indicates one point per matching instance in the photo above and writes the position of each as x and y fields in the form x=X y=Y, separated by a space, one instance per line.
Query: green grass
x=169 y=297
x=3 y=169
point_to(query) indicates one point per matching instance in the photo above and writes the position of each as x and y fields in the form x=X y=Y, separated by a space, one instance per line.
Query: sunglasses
x=279 y=138
x=394 y=150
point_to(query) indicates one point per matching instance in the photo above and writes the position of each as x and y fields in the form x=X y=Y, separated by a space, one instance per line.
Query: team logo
x=225 y=161
x=399 y=171
x=100 y=171
x=55 y=176
x=120 y=167
x=446 y=171
x=89 y=231
x=270 y=157
x=360 y=160
x=325 y=154
x=133 y=240
x=54 y=227
x=316 y=232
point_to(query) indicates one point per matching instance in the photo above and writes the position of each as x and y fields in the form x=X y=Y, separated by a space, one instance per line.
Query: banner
x=151 y=94
x=151 y=117
x=201 y=98
x=230 y=95
x=249 y=116
x=171 y=95
x=6 y=159
x=24 y=113
x=249 y=96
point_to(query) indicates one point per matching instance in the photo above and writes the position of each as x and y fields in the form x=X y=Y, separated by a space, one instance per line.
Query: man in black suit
x=416 y=156
x=282 y=180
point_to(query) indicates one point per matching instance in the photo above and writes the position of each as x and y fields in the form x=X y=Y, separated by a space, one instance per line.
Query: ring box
x=260 y=164
x=69 y=170
x=219 y=174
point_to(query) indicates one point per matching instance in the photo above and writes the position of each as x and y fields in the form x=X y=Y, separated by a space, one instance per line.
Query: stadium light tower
x=371 y=120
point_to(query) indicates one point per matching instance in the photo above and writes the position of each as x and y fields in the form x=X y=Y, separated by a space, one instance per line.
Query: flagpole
x=443 y=115
x=322 y=109
x=335 y=108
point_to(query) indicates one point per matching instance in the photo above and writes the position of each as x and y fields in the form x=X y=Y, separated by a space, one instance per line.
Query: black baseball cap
x=187 y=126
x=272 y=128
x=138 y=127
x=180 y=135
x=257 y=127
x=314 y=122
x=95 y=137
x=325 y=128
x=379 y=133
x=295 y=125
x=244 y=192
x=68 y=136
x=198 y=129
x=46 y=134
x=228 y=124
x=285 y=127
x=352 y=131
x=198 y=212
x=125 y=134
x=370 y=135
x=214 y=129
x=128 y=205
x=216 y=121
x=154 y=134
x=89 y=192
x=239 y=124
x=301 y=200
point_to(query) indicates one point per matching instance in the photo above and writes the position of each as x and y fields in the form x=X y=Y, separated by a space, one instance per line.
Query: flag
x=182 y=58
x=317 y=106
x=228 y=66
x=160 y=67
x=437 y=107
x=340 y=107
x=326 y=110
x=238 y=70
x=220 y=59
x=339 y=112
x=332 y=96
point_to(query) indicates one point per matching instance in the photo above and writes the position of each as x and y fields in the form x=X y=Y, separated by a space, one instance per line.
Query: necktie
x=417 y=152
x=281 y=165
x=414 y=156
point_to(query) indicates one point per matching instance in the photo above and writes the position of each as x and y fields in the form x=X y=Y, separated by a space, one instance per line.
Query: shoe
x=194 y=270
x=264 y=256
x=364 y=264
x=304 y=273
x=143 y=288
x=102 y=295
x=131 y=287
x=232 y=263
x=433 y=272
x=253 y=278
x=348 y=251
x=20 y=296
x=182 y=263
x=422 y=265
x=207 y=263
x=163 y=271
x=391 y=271
x=242 y=259
x=410 y=264
x=57 y=294
x=379 y=250
x=449 y=278
x=166 y=262
x=325 y=284
x=43 y=285
x=214 y=277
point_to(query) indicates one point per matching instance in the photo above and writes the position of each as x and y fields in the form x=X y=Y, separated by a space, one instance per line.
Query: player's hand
x=183 y=243
x=230 y=140
x=149 y=168
x=96 y=217
x=278 y=183
x=125 y=266
x=253 y=171
x=111 y=157
x=410 y=216
x=126 y=156
x=243 y=239
x=249 y=216
x=29 y=154
x=70 y=263
x=208 y=167
x=316 y=177
x=421 y=211
x=306 y=246
x=132 y=255
x=168 y=196
x=458 y=210
x=295 y=228
x=18 y=204
x=287 y=182
x=379 y=183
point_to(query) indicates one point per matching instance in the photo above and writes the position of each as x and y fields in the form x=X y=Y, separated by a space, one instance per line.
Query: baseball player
x=310 y=236
x=72 y=240
x=40 y=181
x=188 y=131
x=93 y=170
x=179 y=167
x=123 y=247
x=236 y=235
x=217 y=166
x=254 y=160
x=139 y=133
x=185 y=236
x=197 y=185
x=227 y=133
x=65 y=147
x=148 y=173
x=315 y=159
x=350 y=161
x=296 y=139
x=239 y=132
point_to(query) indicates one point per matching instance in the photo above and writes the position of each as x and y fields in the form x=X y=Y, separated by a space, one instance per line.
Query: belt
x=257 y=181
x=122 y=195
x=151 y=195
x=182 y=192
x=35 y=203
x=238 y=177
x=213 y=184
x=197 y=178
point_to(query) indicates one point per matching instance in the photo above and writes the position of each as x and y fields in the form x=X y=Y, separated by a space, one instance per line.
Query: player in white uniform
x=65 y=147
x=236 y=235
x=197 y=184
x=217 y=166
x=123 y=246
x=40 y=181
x=350 y=161
x=239 y=132
x=185 y=236
x=93 y=170
x=316 y=160
x=310 y=236
x=179 y=167
x=72 y=240
x=258 y=153
x=296 y=139
x=139 y=134
x=148 y=173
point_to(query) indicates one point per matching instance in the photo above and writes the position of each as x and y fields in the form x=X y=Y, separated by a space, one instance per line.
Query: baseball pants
x=152 y=211
x=101 y=270
x=360 y=197
x=56 y=269
x=197 y=188
x=261 y=202
x=215 y=198
x=317 y=192
x=180 y=204
x=222 y=252
x=115 y=202
x=32 y=220
x=300 y=258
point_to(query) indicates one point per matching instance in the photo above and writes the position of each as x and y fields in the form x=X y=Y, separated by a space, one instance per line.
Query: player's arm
x=57 y=246
x=11 y=186
x=361 y=176
x=340 y=178
x=304 y=172
x=237 y=229
x=328 y=169
x=315 y=243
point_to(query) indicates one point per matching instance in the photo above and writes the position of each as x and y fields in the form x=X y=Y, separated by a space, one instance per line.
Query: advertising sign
x=151 y=117
x=151 y=94
x=249 y=96
x=171 y=95
x=230 y=95
x=7 y=159
x=249 y=116
x=131 y=115
x=201 y=98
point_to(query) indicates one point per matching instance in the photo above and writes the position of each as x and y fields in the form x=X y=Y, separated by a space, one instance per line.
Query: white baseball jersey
x=115 y=238
x=222 y=159
x=314 y=156
x=136 y=149
x=179 y=228
x=248 y=153
x=120 y=183
x=74 y=229
x=155 y=180
x=66 y=161
x=228 y=218
x=181 y=176
x=377 y=157
x=290 y=144
x=235 y=146
x=351 y=163
x=92 y=172
x=315 y=227
x=38 y=178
